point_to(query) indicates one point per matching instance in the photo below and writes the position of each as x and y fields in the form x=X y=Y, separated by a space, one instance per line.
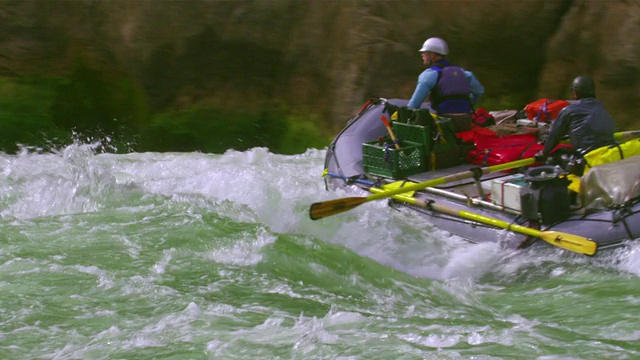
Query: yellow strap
x=440 y=132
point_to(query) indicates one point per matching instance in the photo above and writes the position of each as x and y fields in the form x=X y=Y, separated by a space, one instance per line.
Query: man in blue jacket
x=452 y=90
x=586 y=121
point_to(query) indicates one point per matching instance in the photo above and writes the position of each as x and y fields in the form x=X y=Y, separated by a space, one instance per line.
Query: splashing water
x=192 y=255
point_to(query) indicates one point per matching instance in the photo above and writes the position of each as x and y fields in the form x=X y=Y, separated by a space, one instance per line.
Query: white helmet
x=435 y=45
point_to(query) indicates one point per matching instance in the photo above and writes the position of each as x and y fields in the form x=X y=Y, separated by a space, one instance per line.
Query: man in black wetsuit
x=586 y=121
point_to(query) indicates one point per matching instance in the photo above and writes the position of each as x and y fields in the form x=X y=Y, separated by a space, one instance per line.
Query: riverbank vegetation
x=89 y=105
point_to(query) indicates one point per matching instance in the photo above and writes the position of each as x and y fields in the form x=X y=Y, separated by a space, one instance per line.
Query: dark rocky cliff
x=329 y=56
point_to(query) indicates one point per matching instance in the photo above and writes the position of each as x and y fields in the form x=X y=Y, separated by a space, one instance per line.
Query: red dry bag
x=545 y=110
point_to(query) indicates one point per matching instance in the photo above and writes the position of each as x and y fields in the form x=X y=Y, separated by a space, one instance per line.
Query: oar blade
x=323 y=209
x=571 y=242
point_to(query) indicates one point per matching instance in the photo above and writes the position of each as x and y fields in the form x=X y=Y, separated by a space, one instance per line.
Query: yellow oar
x=397 y=185
x=575 y=243
x=323 y=209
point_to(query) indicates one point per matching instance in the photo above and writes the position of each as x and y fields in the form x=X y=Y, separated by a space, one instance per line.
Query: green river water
x=203 y=256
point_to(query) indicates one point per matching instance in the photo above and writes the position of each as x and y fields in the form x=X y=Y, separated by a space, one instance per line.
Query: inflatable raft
x=477 y=184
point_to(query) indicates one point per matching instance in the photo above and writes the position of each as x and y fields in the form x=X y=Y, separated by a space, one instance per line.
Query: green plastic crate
x=387 y=161
x=414 y=133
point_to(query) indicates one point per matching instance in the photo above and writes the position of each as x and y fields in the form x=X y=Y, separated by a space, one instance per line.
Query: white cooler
x=505 y=192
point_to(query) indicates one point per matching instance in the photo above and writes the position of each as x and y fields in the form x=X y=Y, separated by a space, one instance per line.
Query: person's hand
x=539 y=157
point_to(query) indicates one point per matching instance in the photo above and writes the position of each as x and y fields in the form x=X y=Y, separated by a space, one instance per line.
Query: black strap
x=477 y=173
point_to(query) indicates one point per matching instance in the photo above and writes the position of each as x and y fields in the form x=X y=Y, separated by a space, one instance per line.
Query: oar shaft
x=626 y=135
x=486 y=220
x=450 y=178
x=390 y=131
x=327 y=208
x=575 y=243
